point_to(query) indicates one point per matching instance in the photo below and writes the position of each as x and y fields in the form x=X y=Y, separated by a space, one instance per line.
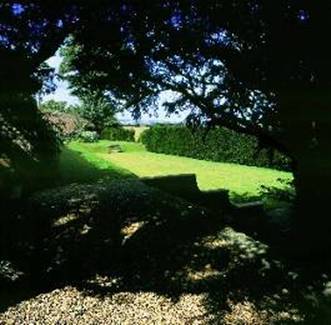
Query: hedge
x=118 y=134
x=218 y=144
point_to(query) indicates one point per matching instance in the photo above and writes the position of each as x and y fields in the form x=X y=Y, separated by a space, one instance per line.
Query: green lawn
x=78 y=165
x=240 y=180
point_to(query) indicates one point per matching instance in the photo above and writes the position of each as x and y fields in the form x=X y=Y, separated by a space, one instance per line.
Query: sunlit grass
x=84 y=166
x=238 y=179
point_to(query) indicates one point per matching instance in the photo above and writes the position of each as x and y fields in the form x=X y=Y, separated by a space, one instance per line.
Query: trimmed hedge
x=118 y=134
x=219 y=144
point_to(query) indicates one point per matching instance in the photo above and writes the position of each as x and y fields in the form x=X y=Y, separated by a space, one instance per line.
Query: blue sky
x=62 y=93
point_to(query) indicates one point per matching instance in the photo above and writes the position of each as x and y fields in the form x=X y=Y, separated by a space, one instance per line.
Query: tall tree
x=97 y=109
x=96 y=105
x=53 y=105
x=29 y=33
x=257 y=66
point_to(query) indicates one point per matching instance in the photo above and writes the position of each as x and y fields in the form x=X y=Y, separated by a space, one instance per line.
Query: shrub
x=29 y=147
x=118 y=134
x=218 y=144
x=89 y=136
x=66 y=125
x=285 y=194
x=54 y=106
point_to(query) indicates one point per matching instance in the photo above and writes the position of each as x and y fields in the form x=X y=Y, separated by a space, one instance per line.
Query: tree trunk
x=307 y=119
x=312 y=217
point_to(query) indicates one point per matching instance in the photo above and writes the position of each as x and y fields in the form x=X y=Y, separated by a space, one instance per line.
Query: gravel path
x=213 y=275
x=70 y=306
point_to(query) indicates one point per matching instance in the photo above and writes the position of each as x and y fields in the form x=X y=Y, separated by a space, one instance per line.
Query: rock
x=114 y=148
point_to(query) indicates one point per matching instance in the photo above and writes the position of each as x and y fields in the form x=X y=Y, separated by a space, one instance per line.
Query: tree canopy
x=256 y=66
x=231 y=61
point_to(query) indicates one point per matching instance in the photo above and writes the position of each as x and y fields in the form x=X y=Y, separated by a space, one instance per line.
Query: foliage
x=29 y=146
x=96 y=106
x=218 y=144
x=54 y=106
x=245 y=65
x=76 y=81
x=93 y=114
x=67 y=126
x=118 y=134
x=228 y=73
x=234 y=74
x=96 y=109
x=285 y=194
x=67 y=120
x=89 y=136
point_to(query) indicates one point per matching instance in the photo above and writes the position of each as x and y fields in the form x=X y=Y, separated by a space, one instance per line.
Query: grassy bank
x=239 y=180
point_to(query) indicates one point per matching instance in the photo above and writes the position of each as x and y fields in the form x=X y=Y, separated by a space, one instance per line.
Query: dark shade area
x=105 y=237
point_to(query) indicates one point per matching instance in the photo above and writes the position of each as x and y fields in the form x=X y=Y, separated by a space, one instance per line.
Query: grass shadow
x=75 y=167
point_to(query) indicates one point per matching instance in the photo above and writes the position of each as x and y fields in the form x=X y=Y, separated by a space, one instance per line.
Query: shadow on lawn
x=125 y=236
x=74 y=168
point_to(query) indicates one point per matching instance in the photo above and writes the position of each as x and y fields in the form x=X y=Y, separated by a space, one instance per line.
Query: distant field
x=138 y=130
x=239 y=180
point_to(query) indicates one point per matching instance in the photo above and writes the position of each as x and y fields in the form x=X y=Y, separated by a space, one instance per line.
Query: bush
x=29 y=147
x=89 y=136
x=118 y=134
x=66 y=125
x=218 y=144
